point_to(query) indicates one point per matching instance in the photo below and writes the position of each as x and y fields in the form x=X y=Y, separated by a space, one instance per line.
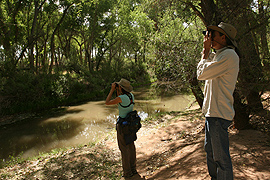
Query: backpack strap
x=131 y=101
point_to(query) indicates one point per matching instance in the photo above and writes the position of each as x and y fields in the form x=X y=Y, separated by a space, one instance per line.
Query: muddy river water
x=76 y=125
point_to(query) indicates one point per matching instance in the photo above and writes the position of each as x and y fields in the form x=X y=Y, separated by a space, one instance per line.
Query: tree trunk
x=263 y=34
x=52 y=38
x=31 y=38
x=241 y=118
x=250 y=73
x=196 y=90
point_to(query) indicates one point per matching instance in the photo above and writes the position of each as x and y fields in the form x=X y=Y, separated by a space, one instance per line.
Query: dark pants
x=128 y=153
x=217 y=148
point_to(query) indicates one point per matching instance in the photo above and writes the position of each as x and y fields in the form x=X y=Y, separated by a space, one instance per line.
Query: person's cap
x=125 y=84
x=226 y=29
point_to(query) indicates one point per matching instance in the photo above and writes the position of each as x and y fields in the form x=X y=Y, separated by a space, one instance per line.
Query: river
x=76 y=125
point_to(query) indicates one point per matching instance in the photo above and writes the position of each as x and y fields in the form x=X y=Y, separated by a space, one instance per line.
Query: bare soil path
x=174 y=150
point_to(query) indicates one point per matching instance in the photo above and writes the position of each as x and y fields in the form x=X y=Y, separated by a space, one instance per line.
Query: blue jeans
x=217 y=148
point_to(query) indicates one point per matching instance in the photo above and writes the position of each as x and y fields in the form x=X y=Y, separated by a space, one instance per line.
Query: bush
x=23 y=91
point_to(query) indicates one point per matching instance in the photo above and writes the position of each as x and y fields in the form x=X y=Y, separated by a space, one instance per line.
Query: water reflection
x=75 y=125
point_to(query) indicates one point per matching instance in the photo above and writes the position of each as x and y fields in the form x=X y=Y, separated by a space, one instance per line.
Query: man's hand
x=207 y=41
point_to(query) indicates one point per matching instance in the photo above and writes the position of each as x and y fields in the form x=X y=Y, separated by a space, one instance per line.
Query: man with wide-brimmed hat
x=219 y=70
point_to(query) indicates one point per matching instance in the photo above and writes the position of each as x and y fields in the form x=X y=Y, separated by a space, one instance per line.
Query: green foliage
x=27 y=92
x=80 y=44
x=178 y=46
x=24 y=92
x=58 y=52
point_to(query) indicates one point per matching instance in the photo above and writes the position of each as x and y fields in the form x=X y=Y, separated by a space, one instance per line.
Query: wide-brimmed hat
x=125 y=84
x=226 y=29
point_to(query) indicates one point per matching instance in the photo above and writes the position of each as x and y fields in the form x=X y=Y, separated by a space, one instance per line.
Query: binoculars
x=209 y=31
x=116 y=85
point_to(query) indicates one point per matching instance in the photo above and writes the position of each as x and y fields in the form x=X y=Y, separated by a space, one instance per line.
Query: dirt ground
x=168 y=148
x=174 y=150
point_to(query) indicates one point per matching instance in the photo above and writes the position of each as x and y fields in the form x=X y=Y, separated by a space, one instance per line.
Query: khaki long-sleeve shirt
x=220 y=71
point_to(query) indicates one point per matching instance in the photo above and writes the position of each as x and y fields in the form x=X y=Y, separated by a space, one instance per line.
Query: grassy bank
x=93 y=161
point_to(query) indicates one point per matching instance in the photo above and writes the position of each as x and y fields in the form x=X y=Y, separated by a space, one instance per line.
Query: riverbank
x=169 y=146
